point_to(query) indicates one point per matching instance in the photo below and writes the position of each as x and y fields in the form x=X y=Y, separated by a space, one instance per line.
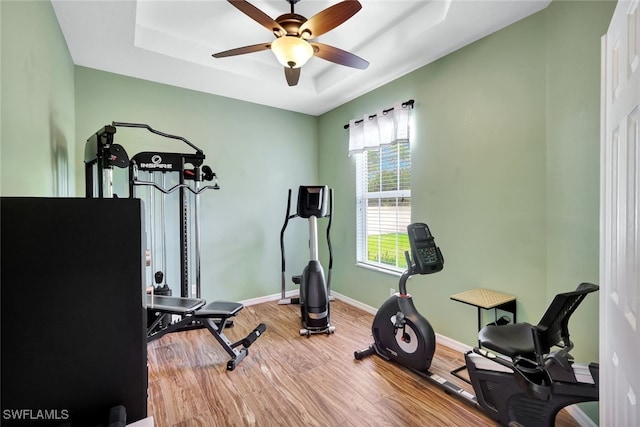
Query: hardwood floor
x=289 y=380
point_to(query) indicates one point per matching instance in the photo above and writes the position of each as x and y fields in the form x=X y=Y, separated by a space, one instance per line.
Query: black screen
x=420 y=233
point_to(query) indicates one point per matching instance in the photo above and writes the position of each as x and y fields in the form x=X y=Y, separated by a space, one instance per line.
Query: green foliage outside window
x=389 y=247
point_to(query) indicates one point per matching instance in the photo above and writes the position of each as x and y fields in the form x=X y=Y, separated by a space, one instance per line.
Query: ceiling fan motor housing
x=291 y=22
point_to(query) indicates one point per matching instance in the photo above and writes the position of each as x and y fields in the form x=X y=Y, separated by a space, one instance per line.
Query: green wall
x=478 y=163
x=37 y=112
x=573 y=160
x=505 y=169
x=573 y=155
x=257 y=152
x=505 y=164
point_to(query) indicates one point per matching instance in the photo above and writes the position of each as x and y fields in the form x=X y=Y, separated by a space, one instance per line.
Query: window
x=384 y=205
x=383 y=188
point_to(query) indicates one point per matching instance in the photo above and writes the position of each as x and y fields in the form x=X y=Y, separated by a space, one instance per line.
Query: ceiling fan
x=294 y=33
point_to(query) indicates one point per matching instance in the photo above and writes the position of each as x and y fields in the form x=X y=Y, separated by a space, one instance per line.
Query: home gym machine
x=526 y=384
x=154 y=177
x=149 y=177
x=313 y=202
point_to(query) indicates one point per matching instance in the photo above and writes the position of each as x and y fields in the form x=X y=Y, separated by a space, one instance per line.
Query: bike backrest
x=553 y=328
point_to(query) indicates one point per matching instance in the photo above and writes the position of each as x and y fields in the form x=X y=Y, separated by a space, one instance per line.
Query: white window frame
x=362 y=199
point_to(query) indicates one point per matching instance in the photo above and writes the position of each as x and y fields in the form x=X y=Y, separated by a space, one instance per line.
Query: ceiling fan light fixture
x=292 y=51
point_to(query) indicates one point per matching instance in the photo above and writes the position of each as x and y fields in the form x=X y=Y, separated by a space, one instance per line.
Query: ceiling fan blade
x=329 y=19
x=259 y=16
x=339 y=56
x=292 y=75
x=243 y=50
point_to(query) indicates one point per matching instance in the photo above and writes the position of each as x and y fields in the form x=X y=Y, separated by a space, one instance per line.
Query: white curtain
x=382 y=129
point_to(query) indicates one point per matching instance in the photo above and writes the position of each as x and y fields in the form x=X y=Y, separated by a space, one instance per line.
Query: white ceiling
x=171 y=42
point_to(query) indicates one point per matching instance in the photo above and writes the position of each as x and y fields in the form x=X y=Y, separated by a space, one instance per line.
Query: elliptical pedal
x=308 y=332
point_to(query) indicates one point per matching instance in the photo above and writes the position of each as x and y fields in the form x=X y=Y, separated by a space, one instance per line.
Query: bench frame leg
x=216 y=326
x=216 y=330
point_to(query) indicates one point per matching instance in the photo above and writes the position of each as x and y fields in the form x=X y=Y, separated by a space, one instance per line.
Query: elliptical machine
x=313 y=202
x=525 y=384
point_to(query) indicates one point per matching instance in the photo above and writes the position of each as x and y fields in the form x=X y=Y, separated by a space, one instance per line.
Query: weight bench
x=214 y=316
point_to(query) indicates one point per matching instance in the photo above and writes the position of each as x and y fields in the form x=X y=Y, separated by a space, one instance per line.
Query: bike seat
x=533 y=342
x=511 y=340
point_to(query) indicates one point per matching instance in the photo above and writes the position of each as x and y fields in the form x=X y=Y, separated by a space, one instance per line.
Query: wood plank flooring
x=289 y=380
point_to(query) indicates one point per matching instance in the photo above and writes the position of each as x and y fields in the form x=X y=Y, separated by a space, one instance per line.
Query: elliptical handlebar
x=329 y=228
x=329 y=240
x=287 y=217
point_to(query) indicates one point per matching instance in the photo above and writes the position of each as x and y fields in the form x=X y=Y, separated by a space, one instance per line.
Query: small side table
x=485 y=299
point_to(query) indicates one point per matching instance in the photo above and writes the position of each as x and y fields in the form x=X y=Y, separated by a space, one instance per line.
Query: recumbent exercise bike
x=526 y=384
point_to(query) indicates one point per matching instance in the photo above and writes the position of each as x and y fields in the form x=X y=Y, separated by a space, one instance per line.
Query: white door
x=619 y=220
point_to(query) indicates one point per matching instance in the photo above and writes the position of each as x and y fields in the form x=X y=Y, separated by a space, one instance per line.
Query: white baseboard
x=354 y=303
x=444 y=340
x=267 y=298
x=293 y=293
x=452 y=344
